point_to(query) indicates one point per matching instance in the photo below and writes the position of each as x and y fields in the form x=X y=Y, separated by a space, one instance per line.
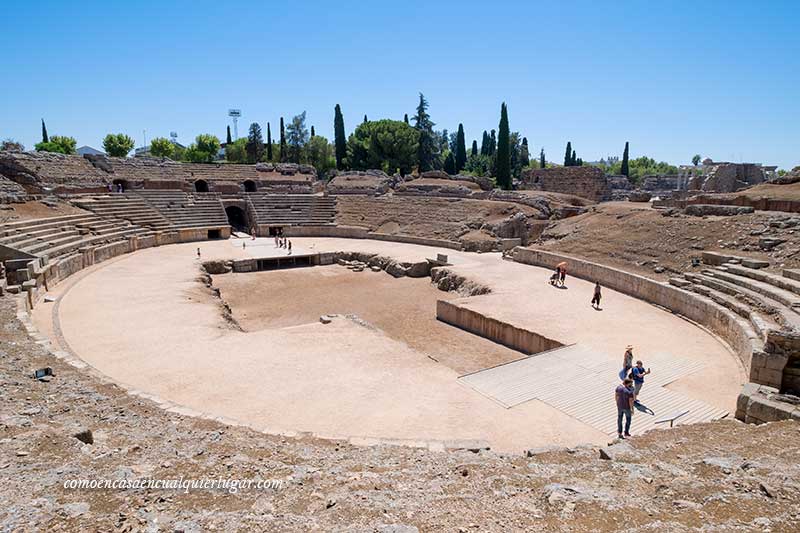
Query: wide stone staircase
x=63 y=235
x=767 y=306
x=125 y=206
x=185 y=210
x=293 y=209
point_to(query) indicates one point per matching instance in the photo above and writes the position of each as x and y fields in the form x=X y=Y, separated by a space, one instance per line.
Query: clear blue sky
x=719 y=78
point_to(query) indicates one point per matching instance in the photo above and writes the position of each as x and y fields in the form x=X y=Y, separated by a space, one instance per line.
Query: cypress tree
x=365 y=119
x=474 y=148
x=625 y=170
x=574 y=159
x=269 y=143
x=485 y=143
x=579 y=162
x=492 y=143
x=568 y=155
x=312 y=132
x=542 y=160
x=503 y=165
x=284 y=154
x=461 y=149
x=228 y=139
x=450 y=164
x=405 y=118
x=45 y=138
x=340 y=144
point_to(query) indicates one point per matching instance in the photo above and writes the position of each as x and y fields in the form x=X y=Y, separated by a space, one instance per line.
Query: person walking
x=637 y=374
x=624 y=398
x=597 y=296
x=563 y=277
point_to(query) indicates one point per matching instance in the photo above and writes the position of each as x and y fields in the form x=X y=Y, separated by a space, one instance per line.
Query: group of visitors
x=627 y=394
x=283 y=242
x=115 y=187
x=560 y=275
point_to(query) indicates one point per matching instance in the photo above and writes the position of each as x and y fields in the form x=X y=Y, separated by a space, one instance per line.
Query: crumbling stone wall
x=727 y=177
x=586 y=182
x=38 y=172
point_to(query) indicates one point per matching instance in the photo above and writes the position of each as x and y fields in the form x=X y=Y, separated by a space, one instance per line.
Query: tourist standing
x=637 y=374
x=563 y=275
x=289 y=245
x=627 y=362
x=624 y=398
x=597 y=295
x=198 y=253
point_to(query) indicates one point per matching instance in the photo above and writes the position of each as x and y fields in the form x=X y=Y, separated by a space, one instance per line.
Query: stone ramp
x=580 y=382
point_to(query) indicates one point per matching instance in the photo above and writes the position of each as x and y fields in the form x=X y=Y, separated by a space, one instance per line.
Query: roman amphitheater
x=411 y=326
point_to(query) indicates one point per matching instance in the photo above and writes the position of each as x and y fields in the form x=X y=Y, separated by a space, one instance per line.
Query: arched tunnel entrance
x=201 y=186
x=237 y=218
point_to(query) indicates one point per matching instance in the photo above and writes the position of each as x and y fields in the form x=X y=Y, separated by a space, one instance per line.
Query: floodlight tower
x=235 y=114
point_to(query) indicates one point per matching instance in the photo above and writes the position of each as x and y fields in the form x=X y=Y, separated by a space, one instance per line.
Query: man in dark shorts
x=624 y=399
x=596 y=297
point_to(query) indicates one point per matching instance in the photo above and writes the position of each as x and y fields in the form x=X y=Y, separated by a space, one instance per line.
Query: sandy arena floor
x=146 y=321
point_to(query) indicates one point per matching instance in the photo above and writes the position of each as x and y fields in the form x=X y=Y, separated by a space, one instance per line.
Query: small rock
x=330 y=502
x=85 y=436
x=768 y=491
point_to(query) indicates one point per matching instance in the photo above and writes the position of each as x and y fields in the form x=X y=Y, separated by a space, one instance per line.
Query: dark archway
x=120 y=185
x=237 y=218
x=249 y=186
x=201 y=186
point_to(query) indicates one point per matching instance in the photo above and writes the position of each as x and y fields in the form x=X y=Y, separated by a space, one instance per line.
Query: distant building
x=84 y=150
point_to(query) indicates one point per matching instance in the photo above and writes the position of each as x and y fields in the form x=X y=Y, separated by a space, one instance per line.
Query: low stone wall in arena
x=758 y=402
x=687 y=304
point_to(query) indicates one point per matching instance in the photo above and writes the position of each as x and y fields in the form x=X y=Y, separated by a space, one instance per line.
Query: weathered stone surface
x=700 y=210
x=639 y=196
x=585 y=181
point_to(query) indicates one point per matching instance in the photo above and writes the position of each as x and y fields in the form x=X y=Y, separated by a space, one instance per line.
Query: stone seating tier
x=293 y=209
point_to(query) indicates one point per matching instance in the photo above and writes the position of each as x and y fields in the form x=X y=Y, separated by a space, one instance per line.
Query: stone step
x=784 y=283
x=782 y=296
x=760 y=320
x=792 y=273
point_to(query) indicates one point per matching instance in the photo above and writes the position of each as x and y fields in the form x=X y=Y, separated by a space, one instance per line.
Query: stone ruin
x=723 y=176
x=584 y=181
x=43 y=172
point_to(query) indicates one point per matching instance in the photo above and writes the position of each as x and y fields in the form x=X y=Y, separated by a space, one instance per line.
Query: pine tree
x=503 y=165
x=284 y=154
x=568 y=155
x=625 y=170
x=542 y=160
x=426 y=150
x=405 y=118
x=474 y=151
x=461 y=149
x=269 y=143
x=255 y=144
x=340 y=143
x=45 y=138
x=312 y=132
x=228 y=139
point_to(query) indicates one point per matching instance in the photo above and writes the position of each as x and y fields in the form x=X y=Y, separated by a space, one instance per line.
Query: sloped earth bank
x=640 y=239
x=719 y=476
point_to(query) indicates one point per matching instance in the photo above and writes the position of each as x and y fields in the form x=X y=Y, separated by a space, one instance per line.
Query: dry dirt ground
x=30 y=210
x=638 y=238
x=405 y=310
x=723 y=476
